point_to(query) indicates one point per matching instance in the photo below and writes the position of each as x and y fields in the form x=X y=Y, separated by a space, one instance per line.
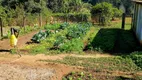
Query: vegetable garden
x=79 y=39
x=62 y=37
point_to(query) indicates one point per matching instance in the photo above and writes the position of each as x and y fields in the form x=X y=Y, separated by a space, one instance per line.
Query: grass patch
x=105 y=39
x=114 y=40
x=111 y=63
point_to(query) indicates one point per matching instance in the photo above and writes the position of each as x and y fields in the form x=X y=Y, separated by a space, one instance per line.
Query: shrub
x=137 y=58
x=117 y=12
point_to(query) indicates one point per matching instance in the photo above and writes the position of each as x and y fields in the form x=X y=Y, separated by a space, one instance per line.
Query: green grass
x=113 y=39
x=111 y=63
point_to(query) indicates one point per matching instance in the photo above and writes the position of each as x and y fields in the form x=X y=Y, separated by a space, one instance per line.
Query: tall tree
x=2 y=19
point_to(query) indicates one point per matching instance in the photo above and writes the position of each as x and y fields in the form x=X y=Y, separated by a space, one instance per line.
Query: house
x=137 y=19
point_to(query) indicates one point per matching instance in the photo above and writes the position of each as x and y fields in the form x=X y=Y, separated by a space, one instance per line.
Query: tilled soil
x=17 y=72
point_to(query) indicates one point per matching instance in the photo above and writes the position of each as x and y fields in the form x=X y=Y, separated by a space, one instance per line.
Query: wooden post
x=132 y=25
x=24 y=18
x=123 y=21
x=40 y=20
x=1 y=27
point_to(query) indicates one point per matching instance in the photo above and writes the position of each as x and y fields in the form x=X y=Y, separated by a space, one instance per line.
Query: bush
x=72 y=45
x=137 y=58
x=117 y=12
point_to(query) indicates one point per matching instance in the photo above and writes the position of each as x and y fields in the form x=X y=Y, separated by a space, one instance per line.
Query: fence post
x=123 y=20
x=1 y=27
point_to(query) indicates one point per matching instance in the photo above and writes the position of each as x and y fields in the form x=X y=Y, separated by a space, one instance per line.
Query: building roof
x=137 y=1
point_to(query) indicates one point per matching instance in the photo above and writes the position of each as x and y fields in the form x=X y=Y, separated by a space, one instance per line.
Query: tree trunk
x=40 y=19
x=66 y=17
x=123 y=20
x=24 y=18
x=1 y=29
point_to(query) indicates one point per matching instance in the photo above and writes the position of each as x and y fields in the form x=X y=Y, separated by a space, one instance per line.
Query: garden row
x=62 y=37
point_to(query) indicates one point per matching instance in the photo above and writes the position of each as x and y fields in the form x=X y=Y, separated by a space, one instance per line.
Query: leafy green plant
x=78 y=30
x=13 y=51
x=72 y=45
x=40 y=36
x=64 y=25
x=60 y=40
x=78 y=76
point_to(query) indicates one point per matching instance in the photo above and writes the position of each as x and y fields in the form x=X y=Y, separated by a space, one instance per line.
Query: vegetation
x=72 y=45
x=78 y=31
x=117 y=3
x=40 y=36
x=111 y=63
x=105 y=11
x=71 y=26
x=137 y=58
x=79 y=76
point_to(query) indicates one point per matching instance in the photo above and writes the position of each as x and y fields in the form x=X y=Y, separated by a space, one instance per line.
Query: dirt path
x=28 y=67
x=22 y=40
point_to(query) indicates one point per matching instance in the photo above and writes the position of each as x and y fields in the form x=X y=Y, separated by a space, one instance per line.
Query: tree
x=26 y=7
x=54 y=5
x=105 y=11
x=2 y=19
x=127 y=3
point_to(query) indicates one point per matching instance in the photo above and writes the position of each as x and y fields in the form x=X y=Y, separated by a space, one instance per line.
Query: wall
x=139 y=23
